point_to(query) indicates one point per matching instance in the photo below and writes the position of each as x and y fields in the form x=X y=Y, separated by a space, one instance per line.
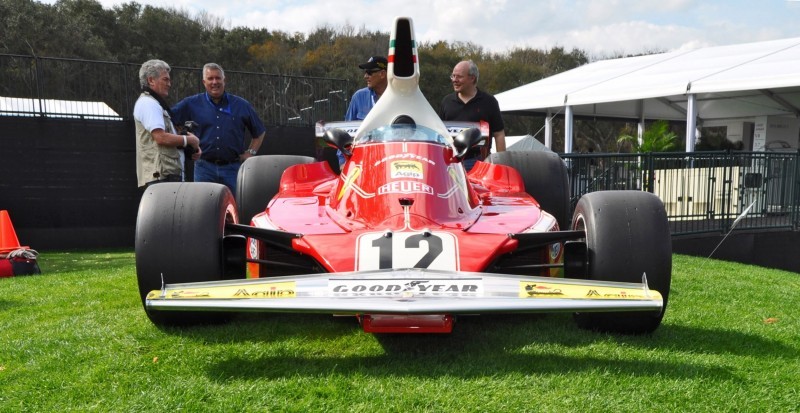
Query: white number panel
x=434 y=250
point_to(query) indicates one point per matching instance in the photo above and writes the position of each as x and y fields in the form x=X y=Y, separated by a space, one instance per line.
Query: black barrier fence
x=72 y=88
x=67 y=172
x=71 y=183
x=702 y=192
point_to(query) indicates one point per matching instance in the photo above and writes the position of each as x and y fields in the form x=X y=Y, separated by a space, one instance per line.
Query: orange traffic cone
x=8 y=238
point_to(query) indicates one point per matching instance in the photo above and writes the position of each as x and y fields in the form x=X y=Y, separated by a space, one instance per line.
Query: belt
x=165 y=178
x=220 y=161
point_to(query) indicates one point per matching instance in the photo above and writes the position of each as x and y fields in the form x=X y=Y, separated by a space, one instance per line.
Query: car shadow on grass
x=268 y=328
x=484 y=345
x=466 y=363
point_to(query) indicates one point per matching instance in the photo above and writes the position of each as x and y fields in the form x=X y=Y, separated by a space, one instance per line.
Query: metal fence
x=702 y=192
x=56 y=87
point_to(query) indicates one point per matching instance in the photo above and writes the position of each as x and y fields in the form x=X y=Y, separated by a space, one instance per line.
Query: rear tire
x=545 y=177
x=258 y=182
x=179 y=234
x=627 y=235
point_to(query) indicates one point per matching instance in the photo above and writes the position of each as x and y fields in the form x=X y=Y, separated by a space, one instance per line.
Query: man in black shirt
x=470 y=104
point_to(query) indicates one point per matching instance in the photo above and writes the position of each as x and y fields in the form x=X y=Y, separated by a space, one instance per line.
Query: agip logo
x=407 y=169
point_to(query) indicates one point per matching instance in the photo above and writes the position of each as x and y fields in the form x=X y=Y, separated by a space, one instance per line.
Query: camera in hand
x=190 y=126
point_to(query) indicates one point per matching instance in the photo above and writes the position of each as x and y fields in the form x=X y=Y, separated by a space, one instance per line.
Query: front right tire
x=545 y=177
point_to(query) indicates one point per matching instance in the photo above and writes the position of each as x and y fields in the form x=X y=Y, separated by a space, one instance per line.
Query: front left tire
x=179 y=238
x=627 y=235
x=259 y=181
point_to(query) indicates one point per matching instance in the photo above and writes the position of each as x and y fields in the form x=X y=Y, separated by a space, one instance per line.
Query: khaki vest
x=154 y=161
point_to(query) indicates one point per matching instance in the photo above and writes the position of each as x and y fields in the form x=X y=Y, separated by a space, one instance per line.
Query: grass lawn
x=76 y=339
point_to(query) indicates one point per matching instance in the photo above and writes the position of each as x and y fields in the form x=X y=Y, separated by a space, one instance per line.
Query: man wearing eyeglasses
x=364 y=99
x=469 y=104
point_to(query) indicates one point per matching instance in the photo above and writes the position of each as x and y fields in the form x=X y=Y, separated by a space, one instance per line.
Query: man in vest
x=159 y=148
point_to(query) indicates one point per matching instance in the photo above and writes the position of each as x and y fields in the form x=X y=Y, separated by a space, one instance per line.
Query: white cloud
x=600 y=27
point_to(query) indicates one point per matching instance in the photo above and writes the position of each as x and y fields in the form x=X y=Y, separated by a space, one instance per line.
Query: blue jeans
x=205 y=171
x=468 y=163
x=342 y=159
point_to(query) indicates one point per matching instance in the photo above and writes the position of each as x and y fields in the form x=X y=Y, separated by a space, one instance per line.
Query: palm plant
x=657 y=138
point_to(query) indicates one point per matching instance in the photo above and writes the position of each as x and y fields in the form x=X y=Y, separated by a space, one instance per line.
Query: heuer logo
x=405 y=187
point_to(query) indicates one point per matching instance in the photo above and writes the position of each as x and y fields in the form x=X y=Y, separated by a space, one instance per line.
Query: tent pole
x=640 y=126
x=568 y=129
x=691 y=122
x=548 y=130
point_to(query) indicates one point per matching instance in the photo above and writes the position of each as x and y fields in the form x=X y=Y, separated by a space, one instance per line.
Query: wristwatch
x=252 y=152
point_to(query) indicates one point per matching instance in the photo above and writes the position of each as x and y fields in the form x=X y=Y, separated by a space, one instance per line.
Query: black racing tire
x=545 y=177
x=627 y=235
x=179 y=233
x=258 y=181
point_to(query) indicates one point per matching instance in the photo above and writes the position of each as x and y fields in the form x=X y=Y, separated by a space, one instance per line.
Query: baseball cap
x=375 y=62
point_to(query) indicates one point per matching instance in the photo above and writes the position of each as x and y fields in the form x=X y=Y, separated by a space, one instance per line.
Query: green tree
x=436 y=64
x=132 y=33
x=62 y=30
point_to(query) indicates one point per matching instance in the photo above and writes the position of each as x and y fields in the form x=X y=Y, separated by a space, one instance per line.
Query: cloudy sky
x=599 y=27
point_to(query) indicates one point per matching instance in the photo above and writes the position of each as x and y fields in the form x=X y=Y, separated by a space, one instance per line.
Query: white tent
x=714 y=83
x=523 y=143
x=57 y=108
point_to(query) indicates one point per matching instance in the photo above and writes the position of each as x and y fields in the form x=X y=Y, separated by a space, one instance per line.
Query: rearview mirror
x=465 y=140
x=340 y=140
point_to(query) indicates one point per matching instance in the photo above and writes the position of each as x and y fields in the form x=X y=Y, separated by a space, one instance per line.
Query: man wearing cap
x=364 y=99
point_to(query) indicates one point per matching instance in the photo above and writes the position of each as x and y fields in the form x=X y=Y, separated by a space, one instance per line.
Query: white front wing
x=407 y=291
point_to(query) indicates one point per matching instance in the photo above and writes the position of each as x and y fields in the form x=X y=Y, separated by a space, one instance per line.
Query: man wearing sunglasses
x=364 y=99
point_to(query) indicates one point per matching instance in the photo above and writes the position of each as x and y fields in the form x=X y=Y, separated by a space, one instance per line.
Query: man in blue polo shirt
x=364 y=99
x=223 y=118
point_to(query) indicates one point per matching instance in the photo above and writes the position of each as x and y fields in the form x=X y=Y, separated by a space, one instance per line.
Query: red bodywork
x=415 y=191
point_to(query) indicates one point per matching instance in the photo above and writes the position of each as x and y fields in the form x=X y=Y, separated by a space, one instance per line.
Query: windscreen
x=402 y=133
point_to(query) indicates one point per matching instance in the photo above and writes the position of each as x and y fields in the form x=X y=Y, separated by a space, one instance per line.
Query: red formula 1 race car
x=403 y=239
